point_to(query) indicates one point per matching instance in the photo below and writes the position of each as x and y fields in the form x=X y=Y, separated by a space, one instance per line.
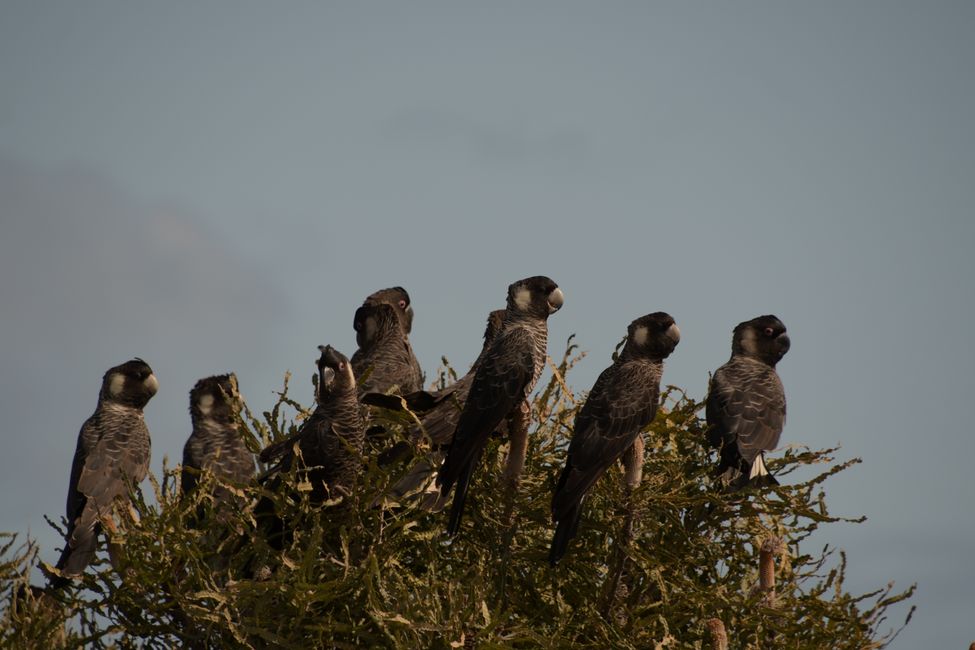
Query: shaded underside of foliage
x=649 y=568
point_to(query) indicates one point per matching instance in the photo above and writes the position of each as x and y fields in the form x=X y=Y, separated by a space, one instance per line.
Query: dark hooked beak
x=783 y=342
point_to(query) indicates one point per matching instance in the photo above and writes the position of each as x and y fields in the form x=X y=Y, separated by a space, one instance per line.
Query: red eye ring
x=341 y=366
x=769 y=331
x=402 y=304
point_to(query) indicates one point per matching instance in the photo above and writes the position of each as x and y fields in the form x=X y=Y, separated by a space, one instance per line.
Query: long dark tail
x=74 y=558
x=460 y=495
x=762 y=481
x=566 y=529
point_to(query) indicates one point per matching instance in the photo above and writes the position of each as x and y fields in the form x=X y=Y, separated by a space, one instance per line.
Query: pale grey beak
x=674 y=333
x=555 y=300
x=328 y=376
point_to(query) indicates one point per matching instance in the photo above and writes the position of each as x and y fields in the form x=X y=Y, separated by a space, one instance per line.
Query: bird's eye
x=769 y=331
x=402 y=304
x=341 y=366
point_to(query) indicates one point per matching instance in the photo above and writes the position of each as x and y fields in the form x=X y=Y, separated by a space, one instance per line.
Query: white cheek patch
x=206 y=404
x=748 y=343
x=640 y=335
x=117 y=384
x=523 y=298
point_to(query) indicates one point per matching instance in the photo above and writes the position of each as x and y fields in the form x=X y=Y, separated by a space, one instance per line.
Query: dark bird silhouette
x=385 y=358
x=502 y=381
x=746 y=402
x=443 y=407
x=112 y=454
x=215 y=443
x=330 y=440
x=621 y=404
x=440 y=410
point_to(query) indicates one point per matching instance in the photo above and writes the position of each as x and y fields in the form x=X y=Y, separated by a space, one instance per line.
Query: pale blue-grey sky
x=193 y=183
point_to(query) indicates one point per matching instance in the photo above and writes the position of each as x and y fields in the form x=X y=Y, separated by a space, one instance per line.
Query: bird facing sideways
x=113 y=453
x=215 y=443
x=441 y=410
x=746 y=402
x=504 y=378
x=621 y=404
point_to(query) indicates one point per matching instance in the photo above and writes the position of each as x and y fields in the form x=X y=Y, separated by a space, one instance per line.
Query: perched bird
x=440 y=410
x=113 y=451
x=215 y=443
x=622 y=402
x=330 y=440
x=385 y=357
x=502 y=381
x=746 y=402
x=443 y=407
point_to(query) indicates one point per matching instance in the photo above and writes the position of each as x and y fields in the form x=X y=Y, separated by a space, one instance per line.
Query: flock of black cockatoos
x=745 y=413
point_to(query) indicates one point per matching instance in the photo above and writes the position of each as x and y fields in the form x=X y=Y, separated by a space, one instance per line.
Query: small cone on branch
x=633 y=464
x=719 y=637
x=518 y=446
x=770 y=550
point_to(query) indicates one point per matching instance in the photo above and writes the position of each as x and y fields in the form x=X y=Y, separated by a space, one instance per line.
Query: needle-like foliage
x=674 y=563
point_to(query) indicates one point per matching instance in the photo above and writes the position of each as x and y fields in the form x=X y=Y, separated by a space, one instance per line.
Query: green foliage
x=648 y=569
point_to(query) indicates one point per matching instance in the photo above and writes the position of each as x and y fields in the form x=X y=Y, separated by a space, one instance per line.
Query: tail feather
x=566 y=529
x=460 y=495
x=79 y=546
x=758 y=475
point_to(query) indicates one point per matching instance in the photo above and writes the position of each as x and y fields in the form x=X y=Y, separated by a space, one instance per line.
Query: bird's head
x=763 y=338
x=334 y=373
x=130 y=384
x=374 y=322
x=400 y=300
x=535 y=296
x=654 y=336
x=216 y=398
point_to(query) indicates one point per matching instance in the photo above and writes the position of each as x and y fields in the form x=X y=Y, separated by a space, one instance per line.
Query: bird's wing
x=281 y=453
x=120 y=454
x=499 y=385
x=441 y=421
x=622 y=402
x=746 y=405
x=87 y=440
